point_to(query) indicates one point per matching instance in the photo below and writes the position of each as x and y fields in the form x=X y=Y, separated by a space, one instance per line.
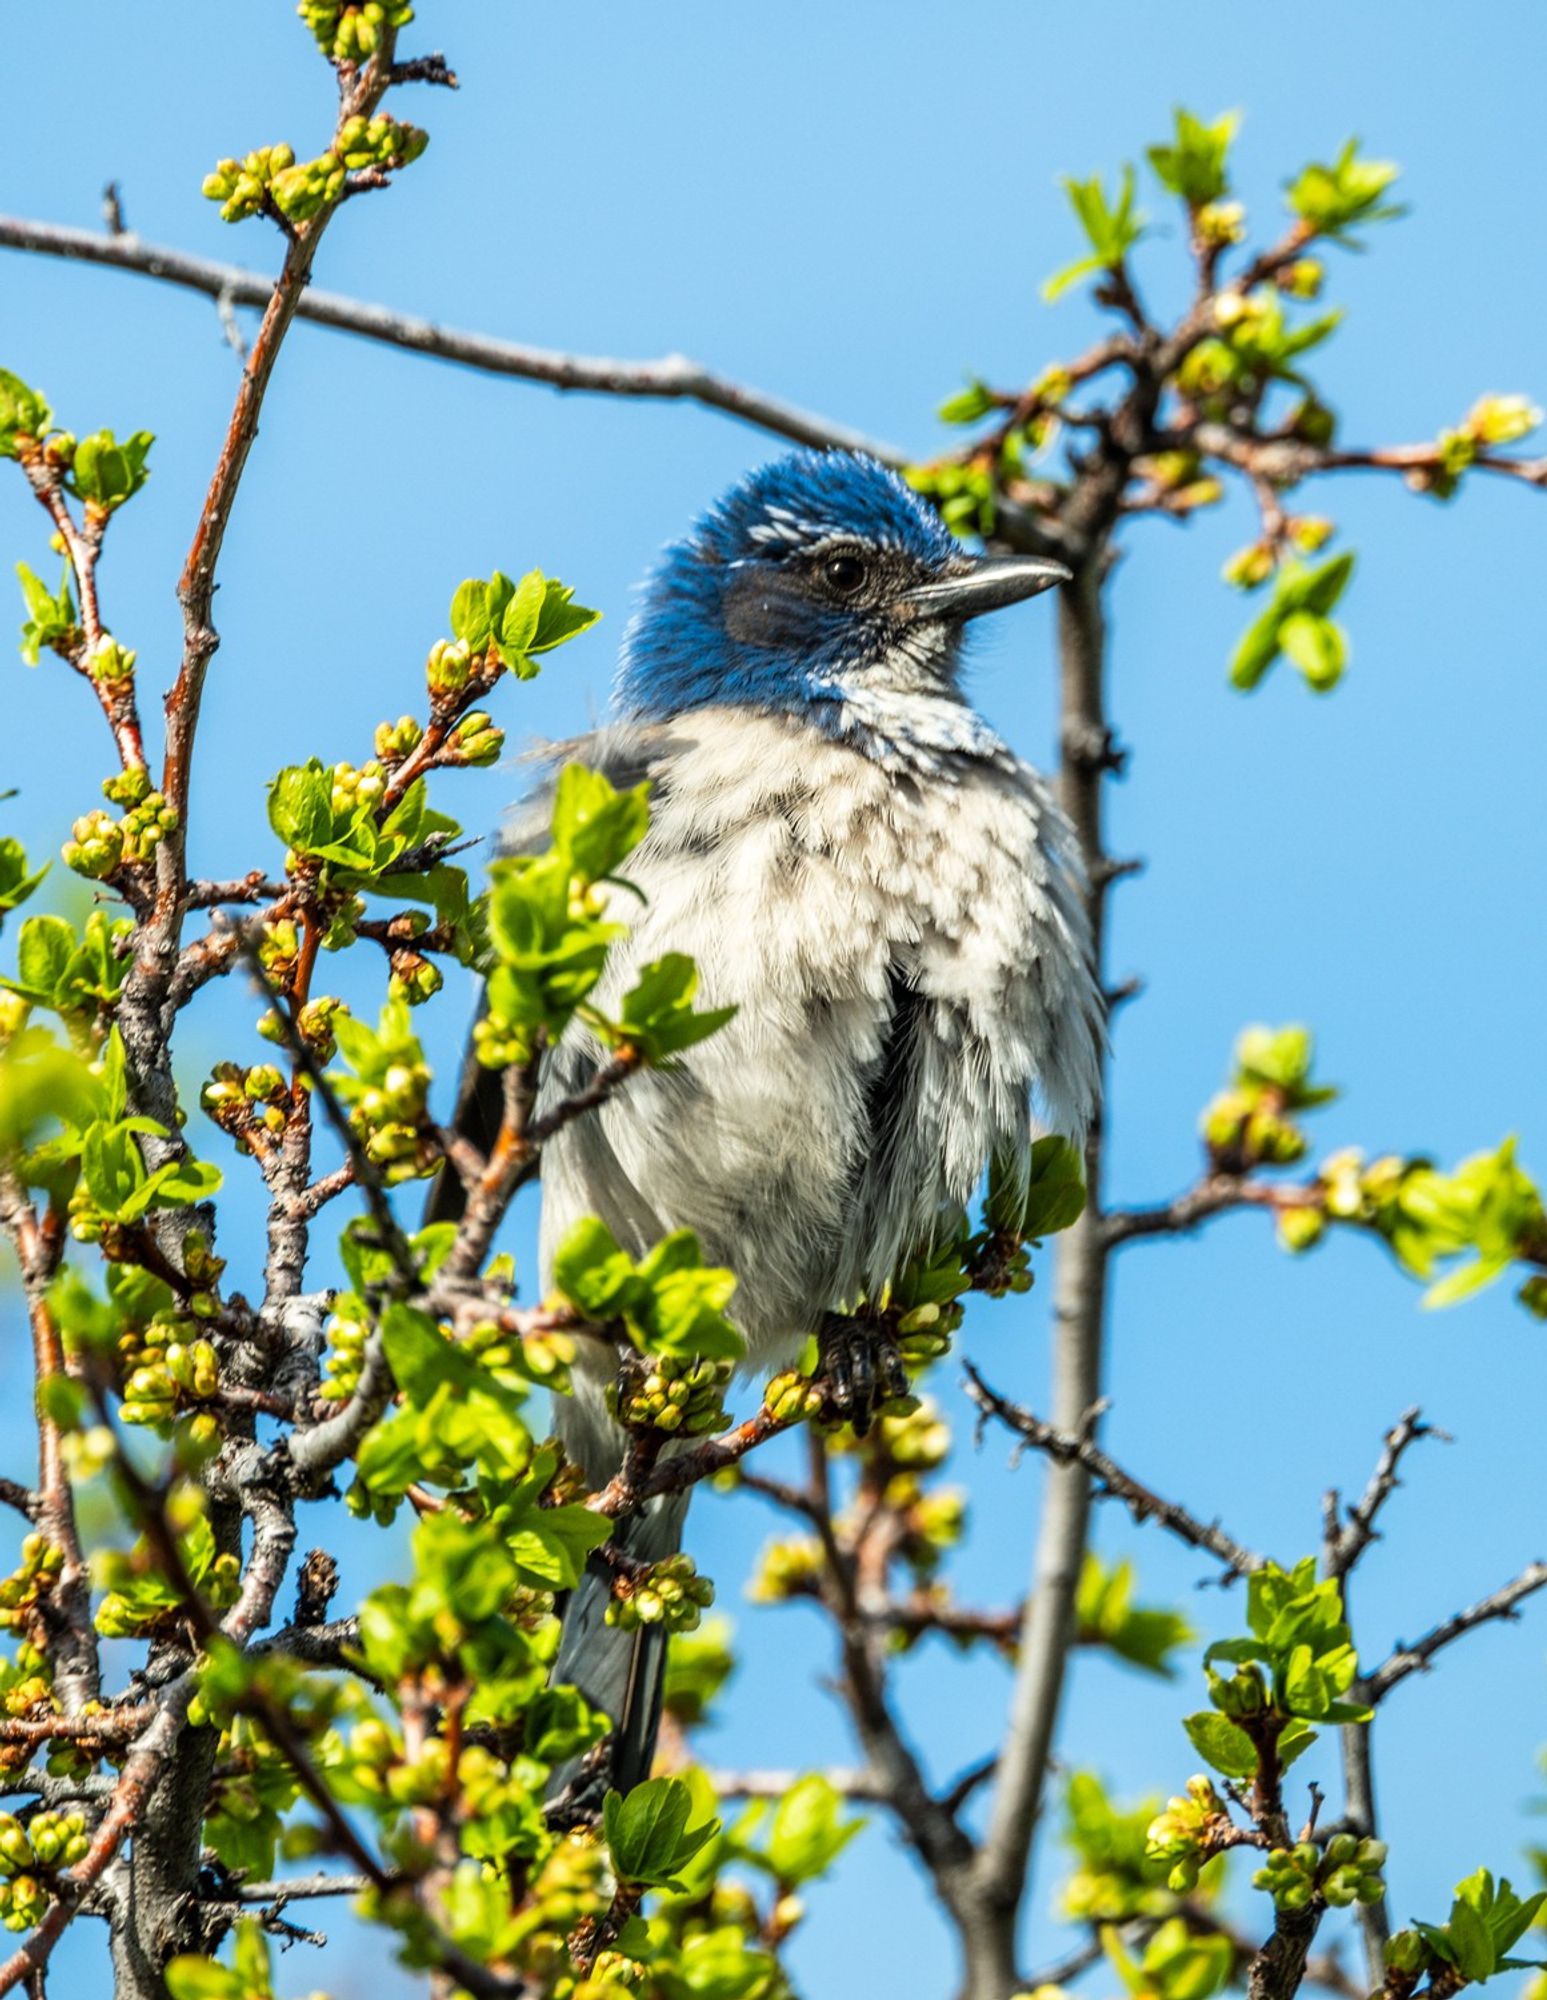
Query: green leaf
x=1194 y=167
x=1219 y=1742
x=809 y=1831
x=1316 y=646
x=1112 y=231
x=22 y=410
x=107 y=471
x=1332 y=198
x=592 y=1272
x=1055 y=1198
x=967 y=406
x=44 y=950
x=1471 y=1942
x=553 y=1543
x=50 y=616
x=595 y=826
x=559 y=619
x=647 y=1831
x=301 y=806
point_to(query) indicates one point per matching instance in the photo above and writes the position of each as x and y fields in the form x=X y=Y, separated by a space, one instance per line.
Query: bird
x=888 y=896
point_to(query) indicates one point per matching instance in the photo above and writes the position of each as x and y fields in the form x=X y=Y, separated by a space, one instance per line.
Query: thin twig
x=1405 y=1660
x=1347 y=1544
x=1112 y=1481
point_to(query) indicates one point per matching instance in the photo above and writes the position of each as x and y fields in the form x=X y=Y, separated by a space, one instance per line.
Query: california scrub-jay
x=887 y=895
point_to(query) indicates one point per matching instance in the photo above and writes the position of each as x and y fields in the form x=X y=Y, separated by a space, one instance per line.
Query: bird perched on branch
x=886 y=894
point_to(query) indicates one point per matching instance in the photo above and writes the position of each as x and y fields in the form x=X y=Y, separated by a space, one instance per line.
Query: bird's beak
x=987 y=583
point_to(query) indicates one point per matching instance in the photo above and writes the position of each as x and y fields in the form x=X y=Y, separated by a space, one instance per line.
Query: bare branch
x=1214 y=1194
x=854 y=1783
x=1405 y=1660
x=1347 y=1544
x=672 y=378
x=1112 y=1482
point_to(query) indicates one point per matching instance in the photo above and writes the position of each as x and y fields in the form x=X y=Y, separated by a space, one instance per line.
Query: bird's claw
x=860 y=1370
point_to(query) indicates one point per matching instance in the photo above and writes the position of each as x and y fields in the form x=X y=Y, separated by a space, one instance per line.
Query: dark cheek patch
x=764 y=606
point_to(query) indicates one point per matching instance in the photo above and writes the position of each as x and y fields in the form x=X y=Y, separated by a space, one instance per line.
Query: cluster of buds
x=51 y=1841
x=546 y=1354
x=30 y=1582
x=352 y=787
x=529 y=1607
x=343 y=914
x=1177 y=482
x=119 y=1616
x=964 y=494
x=1245 y=1127
x=1408 y=1955
x=1218 y=224
x=242 y=186
x=792 y=1398
x=100 y=845
x=672 y=1393
x=1250 y=567
x=1349 y=1871
x=413 y=978
x=570 y=1887
x=932 y=1522
x=924 y=1333
x=272 y=177
x=390 y=1119
x=788 y=1568
x=381 y=142
x=1491 y=421
x=168 y=1374
x=1185 y=1834
x=498 y=1044
x=670 y=1593
x=613 y=1976
x=313 y=1023
x=1302 y=278
x=108 y=662
x=33 y=1686
x=347 y=33
x=348 y=1329
x=916 y=1440
x=397 y=741
x=475 y=740
x=95 y=848
x=456 y=672
x=279 y=946
x=250 y=1105
x=1244 y=1694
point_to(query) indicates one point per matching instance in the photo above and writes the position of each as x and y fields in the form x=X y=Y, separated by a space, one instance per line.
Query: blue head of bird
x=820 y=586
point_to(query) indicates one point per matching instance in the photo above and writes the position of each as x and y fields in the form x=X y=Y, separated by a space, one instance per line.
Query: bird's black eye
x=844 y=572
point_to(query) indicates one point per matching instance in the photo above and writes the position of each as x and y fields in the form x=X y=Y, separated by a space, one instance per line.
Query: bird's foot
x=859 y=1370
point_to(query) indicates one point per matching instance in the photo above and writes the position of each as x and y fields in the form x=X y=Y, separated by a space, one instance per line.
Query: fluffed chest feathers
x=905 y=951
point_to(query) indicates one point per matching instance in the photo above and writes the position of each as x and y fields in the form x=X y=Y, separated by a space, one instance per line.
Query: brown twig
x=1405 y=1660
x=1111 y=1481
x=672 y=378
x=1346 y=1544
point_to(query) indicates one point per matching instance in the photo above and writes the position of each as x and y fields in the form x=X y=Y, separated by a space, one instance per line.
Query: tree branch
x=672 y=377
x=1067 y=1449
x=1405 y=1660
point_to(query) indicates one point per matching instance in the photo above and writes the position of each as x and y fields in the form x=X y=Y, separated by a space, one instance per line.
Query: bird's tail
x=619 y=1671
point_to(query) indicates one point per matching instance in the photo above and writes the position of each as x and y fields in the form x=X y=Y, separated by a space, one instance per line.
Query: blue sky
x=854 y=207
